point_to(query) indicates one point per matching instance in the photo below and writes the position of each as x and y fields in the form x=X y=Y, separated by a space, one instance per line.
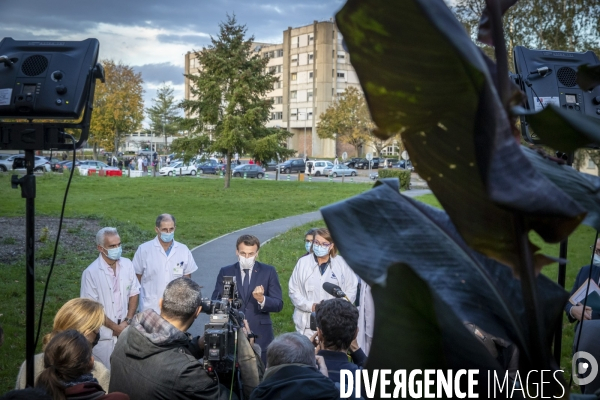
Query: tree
x=540 y=24
x=164 y=115
x=118 y=106
x=228 y=95
x=348 y=118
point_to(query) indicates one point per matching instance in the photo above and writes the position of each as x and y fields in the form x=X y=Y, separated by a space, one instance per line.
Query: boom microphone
x=334 y=290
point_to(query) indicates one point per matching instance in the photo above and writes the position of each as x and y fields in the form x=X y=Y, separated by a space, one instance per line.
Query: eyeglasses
x=324 y=244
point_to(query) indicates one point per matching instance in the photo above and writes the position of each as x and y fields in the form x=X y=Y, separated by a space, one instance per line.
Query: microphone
x=334 y=290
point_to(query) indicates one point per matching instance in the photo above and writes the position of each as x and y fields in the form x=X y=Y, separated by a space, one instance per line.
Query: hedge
x=402 y=174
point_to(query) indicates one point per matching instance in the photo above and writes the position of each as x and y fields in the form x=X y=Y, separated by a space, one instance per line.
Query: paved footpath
x=219 y=252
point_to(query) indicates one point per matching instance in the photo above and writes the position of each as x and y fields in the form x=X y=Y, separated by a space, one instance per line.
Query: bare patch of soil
x=76 y=234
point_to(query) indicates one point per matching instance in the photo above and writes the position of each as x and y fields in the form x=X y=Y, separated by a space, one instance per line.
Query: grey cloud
x=194 y=41
x=162 y=72
x=67 y=16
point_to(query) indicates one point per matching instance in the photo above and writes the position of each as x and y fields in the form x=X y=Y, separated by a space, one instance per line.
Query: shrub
x=402 y=174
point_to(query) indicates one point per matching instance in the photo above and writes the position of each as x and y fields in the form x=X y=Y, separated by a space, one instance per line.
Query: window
x=333 y=73
x=277 y=115
x=309 y=115
x=311 y=57
x=311 y=38
x=341 y=56
x=294 y=114
x=295 y=60
x=278 y=100
x=341 y=76
x=310 y=95
x=293 y=94
x=277 y=85
x=310 y=76
x=294 y=76
x=279 y=53
x=332 y=53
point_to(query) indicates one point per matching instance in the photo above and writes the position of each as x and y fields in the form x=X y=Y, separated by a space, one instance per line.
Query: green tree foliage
x=348 y=118
x=540 y=24
x=118 y=106
x=164 y=117
x=228 y=96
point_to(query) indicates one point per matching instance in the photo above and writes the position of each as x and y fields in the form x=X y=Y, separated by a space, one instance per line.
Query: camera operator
x=155 y=358
x=337 y=328
x=294 y=372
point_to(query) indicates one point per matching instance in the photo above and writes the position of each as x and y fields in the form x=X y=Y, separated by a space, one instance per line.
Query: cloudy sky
x=153 y=35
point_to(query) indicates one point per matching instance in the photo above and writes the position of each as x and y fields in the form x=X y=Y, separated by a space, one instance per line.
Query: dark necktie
x=246 y=282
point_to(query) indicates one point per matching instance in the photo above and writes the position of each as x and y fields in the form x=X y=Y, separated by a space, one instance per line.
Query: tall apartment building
x=313 y=69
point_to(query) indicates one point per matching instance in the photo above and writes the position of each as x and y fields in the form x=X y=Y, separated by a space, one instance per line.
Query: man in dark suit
x=258 y=287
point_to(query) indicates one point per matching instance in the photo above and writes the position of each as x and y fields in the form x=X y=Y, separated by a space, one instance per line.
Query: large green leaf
x=416 y=330
x=424 y=75
x=391 y=229
x=583 y=188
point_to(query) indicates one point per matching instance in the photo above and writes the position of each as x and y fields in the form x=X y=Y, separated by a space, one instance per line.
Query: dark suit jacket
x=582 y=276
x=258 y=319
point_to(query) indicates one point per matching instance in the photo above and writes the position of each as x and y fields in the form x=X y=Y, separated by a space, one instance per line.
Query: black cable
x=587 y=290
x=62 y=213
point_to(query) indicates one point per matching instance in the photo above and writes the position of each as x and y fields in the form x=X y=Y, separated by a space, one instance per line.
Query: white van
x=319 y=166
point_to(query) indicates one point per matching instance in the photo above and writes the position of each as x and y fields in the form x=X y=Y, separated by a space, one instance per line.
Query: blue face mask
x=114 y=254
x=307 y=246
x=320 y=251
x=167 y=237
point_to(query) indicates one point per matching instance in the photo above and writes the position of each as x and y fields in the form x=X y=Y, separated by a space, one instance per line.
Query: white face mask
x=247 y=263
x=596 y=259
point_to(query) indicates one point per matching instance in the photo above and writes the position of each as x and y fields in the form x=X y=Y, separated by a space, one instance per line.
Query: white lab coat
x=366 y=317
x=158 y=269
x=306 y=287
x=97 y=285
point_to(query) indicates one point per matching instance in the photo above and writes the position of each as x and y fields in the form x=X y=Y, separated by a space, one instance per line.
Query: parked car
x=251 y=171
x=85 y=165
x=67 y=165
x=363 y=163
x=352 y=162
x=405 y=165
x=17 y=160
x=339 y=170
x=292 y=165
x=175 y=168
x=390 y=162
x=270 y=165
x=210 y=167
x=319 y=166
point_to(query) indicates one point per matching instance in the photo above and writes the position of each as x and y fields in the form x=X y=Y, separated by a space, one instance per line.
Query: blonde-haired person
x=85 y=316
x=309 y=275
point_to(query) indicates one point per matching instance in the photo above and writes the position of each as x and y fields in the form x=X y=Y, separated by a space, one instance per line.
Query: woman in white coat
x=311 y=271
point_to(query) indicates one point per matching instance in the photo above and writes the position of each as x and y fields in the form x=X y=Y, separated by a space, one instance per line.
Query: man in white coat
x=160 y=261
x=111 y=281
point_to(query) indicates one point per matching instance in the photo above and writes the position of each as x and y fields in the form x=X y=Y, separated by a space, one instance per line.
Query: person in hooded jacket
x=155 y=358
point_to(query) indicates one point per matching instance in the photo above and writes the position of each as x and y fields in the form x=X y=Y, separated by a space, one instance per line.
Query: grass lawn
x=284 y=251
x=204 y=210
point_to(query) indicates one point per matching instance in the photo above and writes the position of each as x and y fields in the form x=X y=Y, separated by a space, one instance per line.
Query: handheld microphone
x=334 y=290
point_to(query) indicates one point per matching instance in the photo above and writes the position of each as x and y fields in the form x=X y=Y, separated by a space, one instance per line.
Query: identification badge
x=177 y=271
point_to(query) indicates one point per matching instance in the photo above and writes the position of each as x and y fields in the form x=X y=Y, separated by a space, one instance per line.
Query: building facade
x=313 y=70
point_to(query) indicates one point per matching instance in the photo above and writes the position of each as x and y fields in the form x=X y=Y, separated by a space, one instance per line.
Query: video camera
x=220 y=332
